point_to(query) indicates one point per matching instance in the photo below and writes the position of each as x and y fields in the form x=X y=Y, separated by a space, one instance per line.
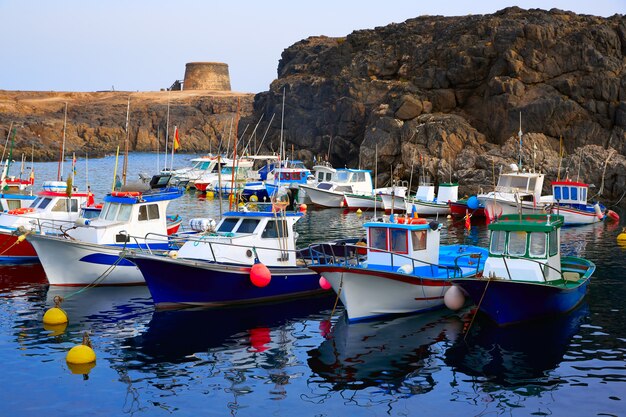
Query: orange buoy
x=260 y=275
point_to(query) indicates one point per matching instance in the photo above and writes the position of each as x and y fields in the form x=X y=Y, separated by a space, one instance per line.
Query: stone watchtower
x=206 y=76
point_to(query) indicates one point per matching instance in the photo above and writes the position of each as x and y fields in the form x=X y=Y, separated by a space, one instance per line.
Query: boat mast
x=125 y=165
x=60 y=169
x=520 y=141
x=167 y=130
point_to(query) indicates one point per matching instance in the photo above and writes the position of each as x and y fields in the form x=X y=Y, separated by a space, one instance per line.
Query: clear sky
x=90 y=45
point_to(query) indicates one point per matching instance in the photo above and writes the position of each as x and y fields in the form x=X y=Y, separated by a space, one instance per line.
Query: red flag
x=90 y=199
x=176 y=140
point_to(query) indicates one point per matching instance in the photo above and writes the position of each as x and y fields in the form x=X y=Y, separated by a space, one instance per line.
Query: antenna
x=520 y=140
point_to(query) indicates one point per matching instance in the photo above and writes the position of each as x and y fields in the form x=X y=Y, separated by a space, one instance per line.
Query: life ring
x=418 y=220
x=125 y=193
x=22 y=210
x=400 y=220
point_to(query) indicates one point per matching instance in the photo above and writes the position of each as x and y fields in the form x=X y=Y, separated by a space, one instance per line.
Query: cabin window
x=498 y=239
x=554 y=243
x=320 y=176
x=148 y=212
x=566 y=193
x=324 y=186
x=110 y=212
x=35 y=202
x=329 y=176
x=275 y=229
x=12 y=205
x=124 y=213
x=537 y=248
x=295 y=176
x=517 y=243
x=44 y=203
x=583 y=194
x=378 y=238
x=228 y=224
x=399 y=241
x=557 y=193
x=248 y=226
x=360 y=177
x=60 y=205
x=74 y=205
x=419 y=239
x=574 y=193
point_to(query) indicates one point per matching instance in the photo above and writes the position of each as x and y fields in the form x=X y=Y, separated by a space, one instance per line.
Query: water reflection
x=518 y=355
x=391 y=354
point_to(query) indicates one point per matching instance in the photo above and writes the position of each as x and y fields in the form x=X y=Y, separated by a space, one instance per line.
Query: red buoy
x=325 y=284
x=260 y=275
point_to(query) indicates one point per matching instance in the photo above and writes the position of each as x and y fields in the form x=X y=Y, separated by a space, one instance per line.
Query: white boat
x=424 y=202
x=401 y=269
x=346 y=181
x=393 y=198
x=50 y=211
x=89 y=252
x=516 y=191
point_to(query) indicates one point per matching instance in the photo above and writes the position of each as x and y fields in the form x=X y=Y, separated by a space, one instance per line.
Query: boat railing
x=48 y=225
x=353 y=255
x=543 y=267
x=473 y=257
x=176 y=241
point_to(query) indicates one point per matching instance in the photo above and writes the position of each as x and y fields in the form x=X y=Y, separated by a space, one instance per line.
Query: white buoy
x=406 y=269
x=454 y=298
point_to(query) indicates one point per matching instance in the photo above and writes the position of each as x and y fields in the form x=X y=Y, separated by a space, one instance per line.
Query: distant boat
x=525 y=276
x=570 y=201
x=424 y=202
x=346 y=181
x=402 y=268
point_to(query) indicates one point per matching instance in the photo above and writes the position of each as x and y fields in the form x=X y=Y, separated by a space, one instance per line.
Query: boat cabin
x=526 y=244
x=128 y=213
x=527 y=184
x=10 y=202
x=257 y=226
x=324 y=173
x=393 y=243
x=570 y=192
x=359 y=179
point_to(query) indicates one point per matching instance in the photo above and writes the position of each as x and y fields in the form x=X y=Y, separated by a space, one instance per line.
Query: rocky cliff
x=446 y=94
x=96 y=122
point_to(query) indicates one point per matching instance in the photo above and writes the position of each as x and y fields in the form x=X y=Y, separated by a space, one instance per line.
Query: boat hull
x=363 y=202
x=427 y=208
x=574 y=216
x=89 y=264
x=508 y=302
x=184 y=282
x=12 y=252
x=460 y=208
x=393 y=202
x=367 y=294
x=325 y=198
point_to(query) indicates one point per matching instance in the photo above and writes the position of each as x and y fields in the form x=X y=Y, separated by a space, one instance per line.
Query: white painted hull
x=398 y=203
x=363 y=202
x=366 y=295
x=577 y=217
x=496 y=208
x=427 y=208
x=325 y=198
x=75 y=263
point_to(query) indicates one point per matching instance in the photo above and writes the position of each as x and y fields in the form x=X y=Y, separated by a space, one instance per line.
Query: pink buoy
x=325 y=284
x=260 y=275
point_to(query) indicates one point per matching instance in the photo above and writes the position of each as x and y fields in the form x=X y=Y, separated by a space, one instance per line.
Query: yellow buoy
x=254 y=198
x=55 y=315
x=622 y=236
x=81 y=354
x=359 y=212
x=55 y=329
x=210 y=195
x=81 y=368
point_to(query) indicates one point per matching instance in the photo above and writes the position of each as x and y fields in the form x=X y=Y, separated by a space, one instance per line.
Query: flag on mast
x=176 y=139
x=74 y=164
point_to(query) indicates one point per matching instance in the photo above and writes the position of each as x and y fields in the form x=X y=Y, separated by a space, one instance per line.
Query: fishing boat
x=570 y=201
x=46 y=214
x=424 y=202
x=287 y=178
x=129 y=219
x=346 y=181
x=466 y=206
x=525 y=276
x=393 y=197
x=401 y=268
x=516 y=190
x=249 y=257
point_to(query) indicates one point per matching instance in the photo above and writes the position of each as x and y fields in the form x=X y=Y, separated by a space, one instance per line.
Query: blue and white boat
x=570 y=201
x=214 y=268
x=89 y=252
x=525 y=276
x=401 y=269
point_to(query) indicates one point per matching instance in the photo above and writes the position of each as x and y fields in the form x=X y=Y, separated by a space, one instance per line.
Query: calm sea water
x=293 y=358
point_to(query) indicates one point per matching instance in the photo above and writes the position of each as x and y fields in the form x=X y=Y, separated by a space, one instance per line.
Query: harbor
x=304 y=354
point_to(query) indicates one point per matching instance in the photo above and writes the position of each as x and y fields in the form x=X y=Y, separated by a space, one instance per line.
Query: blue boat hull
x=176 y=282
x=508 y=302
